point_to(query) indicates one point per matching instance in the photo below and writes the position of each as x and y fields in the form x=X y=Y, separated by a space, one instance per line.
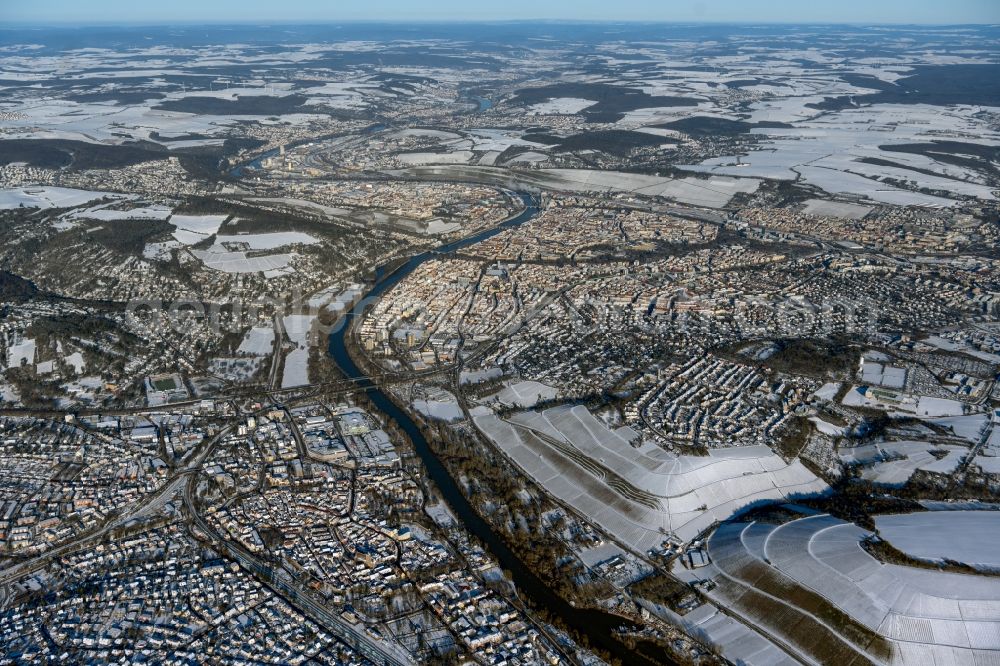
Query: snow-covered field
x=296 y=371
x=476 y=376
x=843 y=182
x=969 y=537
x=738 y=643
x=560 y=106
x=239 y=262
x=50 y=197
x=457 y=157
x=152 y=212
x=710 y=192
x=219 y=257
x=574 y=456
x=193 y=229
x=530 y=157
x=826 y=427
x=827 y=391
x=75 y=360
x=924 y=616
x=160 y=250
x=498 y=140
x=829 y=151
x=437 y=226
x=24 y=352
x=442 y=410
x=893 y=463
x=259 y=341
x=826 y=208
x=928 y=406
x=526 y=394
x=970 y=426
x=105 y=122
x=268 y=241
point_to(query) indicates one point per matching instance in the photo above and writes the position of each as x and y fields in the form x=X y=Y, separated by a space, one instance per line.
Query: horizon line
x=156 y=23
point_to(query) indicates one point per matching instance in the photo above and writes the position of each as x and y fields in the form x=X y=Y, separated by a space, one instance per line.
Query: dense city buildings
x=549 y=344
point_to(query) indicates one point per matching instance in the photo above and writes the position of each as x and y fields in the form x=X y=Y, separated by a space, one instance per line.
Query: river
x=596 y=625
x=484 y=104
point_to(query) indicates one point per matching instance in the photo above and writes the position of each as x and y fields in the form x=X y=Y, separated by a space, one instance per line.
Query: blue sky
x=195 y=11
